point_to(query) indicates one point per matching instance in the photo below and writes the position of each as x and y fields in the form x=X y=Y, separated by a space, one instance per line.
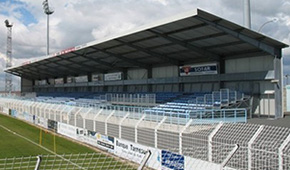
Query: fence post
x=39 y=159
x=210 y=140
x=60 y=113
x=145 y=160
x=56 y=110
x=95 y=119
x=283 y=145
x=250 y=145
x=156 y=128
x=106 y=122
x=68 y=114
x=120 y=124
x=76 y=116
x=230 y=155
x=180 y=135
x=85 y=115
x=136 y=127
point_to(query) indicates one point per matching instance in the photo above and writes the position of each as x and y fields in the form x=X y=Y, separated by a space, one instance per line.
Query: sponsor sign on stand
x=6 y=111
x=113 y=76
x=129 y=150
x=201 y=69
x=28 y=117
x=67 y=130
x=52 y=125
x=41 y=122
x=193 y=163
x=106 y=142
x=14 y=113
x=90 y=138
x=170 y=160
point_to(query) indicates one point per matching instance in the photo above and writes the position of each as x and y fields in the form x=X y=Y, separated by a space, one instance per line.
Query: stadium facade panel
x=191 y=52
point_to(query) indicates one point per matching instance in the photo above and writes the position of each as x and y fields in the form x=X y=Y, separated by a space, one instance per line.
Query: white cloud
x=76 y=21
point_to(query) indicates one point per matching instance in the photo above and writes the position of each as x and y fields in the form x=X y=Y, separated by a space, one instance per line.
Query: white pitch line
x=41 y=146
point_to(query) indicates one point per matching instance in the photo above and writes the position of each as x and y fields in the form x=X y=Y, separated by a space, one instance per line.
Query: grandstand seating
x=173 y=104
x=185 y=104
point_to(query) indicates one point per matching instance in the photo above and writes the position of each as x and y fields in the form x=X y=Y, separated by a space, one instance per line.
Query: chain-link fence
x=260 y=147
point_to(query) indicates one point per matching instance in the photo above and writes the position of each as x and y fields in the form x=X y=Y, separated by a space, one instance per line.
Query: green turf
x=12 y=145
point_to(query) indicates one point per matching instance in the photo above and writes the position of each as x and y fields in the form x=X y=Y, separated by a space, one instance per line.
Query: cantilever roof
x=192 y=37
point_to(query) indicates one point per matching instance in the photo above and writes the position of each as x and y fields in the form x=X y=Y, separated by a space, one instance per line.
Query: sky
x=76 y=22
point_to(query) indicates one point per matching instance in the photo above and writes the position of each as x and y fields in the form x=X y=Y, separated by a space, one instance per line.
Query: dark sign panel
x=52 y=125
x=172 y=160
x=198 y=69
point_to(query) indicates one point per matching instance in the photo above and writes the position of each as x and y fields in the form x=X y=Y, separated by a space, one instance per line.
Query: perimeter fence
x=260 y=147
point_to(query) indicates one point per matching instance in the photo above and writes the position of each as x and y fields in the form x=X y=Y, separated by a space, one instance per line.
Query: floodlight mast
x=48 y=11
x=247 y=14
x=8 y=77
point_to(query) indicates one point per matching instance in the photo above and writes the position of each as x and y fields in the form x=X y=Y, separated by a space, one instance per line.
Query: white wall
x=168 y=71
x=251 y=64
x=137 y=74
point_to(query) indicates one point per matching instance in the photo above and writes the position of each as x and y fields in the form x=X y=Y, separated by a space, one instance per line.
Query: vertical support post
x=120 y=124
x=278 y=86
x=60 y=114
x=76 y=116
x=145 y=160
x=156 y=129
x=85 y=115
x=280 y=150
x=106 y=122
x=247 y=14
x=56 y=111
x=44 y=113
x=250 y=145
x=230 y=155
x=180 y=135
x=210 y=140
x=95 y=129
x=37 y=166
x=69 y=113
x=136 y=127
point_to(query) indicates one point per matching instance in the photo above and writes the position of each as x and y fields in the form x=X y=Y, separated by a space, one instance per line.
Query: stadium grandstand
x=178 y=59
x=171 y=85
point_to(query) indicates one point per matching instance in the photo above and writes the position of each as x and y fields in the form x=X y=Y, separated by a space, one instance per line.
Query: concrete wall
x=26 y=85
x=137 y=74
x=252 y=64
x=167 y=71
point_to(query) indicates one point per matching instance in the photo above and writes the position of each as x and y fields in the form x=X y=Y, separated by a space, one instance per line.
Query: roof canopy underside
x=194 y=38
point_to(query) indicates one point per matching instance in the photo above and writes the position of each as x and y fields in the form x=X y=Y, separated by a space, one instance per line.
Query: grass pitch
x=73 y=155
x=14 y=146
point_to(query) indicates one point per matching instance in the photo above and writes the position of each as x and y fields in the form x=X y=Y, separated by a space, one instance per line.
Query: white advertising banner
x=67 y=130
x=129 y=150
x=41 y=122
x=200 y=69
x=6 y=111
x=101 y=141
x=191 y=163
x=28 y=117
x=113 y=76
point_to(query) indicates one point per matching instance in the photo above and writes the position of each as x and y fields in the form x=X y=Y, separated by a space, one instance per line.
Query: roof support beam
x=83 y=65
x=223 y=45
x=30 y=74
x=153 y=54
x=189 y=46
x=38 y=71
x=85 y=55
x=258 y=44
x=139 y=64
x=155 y=36
x=54 y=70
x=206 y=37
